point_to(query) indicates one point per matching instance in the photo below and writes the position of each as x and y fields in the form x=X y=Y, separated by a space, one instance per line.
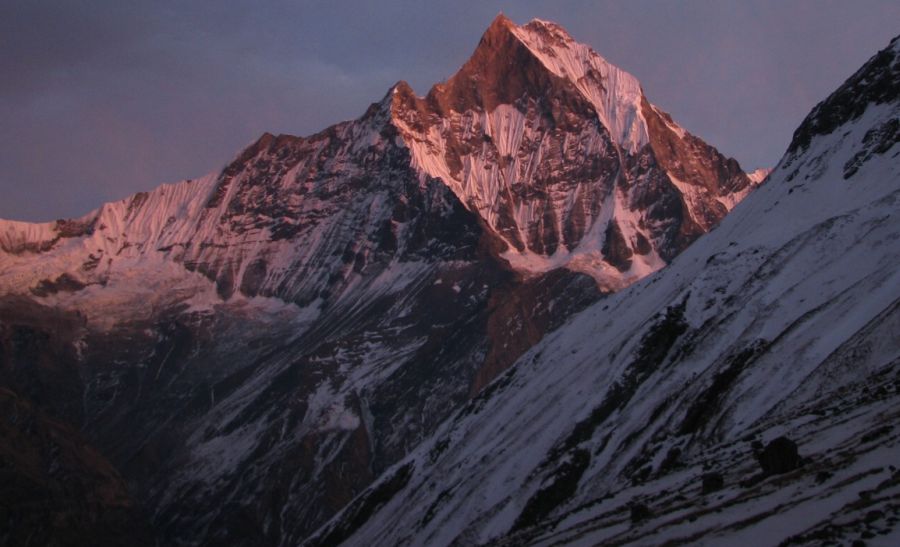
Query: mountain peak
x=497 y=34
x=541 y=58
x=500 y=71
x=537 y=33
x=500 y=21
x=876 y=82
x=538 y=134
x=549 y=29
x=557 y=151
x=553 y=59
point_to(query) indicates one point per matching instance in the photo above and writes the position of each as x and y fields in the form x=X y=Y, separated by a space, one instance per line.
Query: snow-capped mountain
x=558 y=152
x=564 y=158
x=251 y=349
x=746 y=394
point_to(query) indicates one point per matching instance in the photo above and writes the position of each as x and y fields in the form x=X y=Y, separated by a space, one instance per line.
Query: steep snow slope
x=636 y=421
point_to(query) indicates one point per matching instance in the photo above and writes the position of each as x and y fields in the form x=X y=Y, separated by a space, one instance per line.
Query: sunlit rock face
x=564 y=157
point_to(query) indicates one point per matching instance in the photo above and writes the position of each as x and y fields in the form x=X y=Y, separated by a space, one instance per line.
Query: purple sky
x=100 y=99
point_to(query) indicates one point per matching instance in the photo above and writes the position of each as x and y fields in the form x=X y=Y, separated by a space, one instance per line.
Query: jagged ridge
x=556 y=149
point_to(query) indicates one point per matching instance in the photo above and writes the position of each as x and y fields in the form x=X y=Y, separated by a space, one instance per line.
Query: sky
x=101 y=99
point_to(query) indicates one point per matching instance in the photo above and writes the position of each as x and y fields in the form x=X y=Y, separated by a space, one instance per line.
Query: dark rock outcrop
x=712 y=482
x=779 y=456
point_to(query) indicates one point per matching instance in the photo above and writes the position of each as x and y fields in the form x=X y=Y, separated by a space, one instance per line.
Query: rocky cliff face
x=251 y=349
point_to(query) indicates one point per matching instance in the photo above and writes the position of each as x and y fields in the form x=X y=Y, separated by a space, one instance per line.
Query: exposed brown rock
x=68 y=228
x=63 y=283
x=615 y=249
x=523 y=312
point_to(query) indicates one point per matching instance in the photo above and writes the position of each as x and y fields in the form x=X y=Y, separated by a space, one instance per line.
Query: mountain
x=557 y=151
x=564 y=157
x=746 y=394
x=248 y=351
